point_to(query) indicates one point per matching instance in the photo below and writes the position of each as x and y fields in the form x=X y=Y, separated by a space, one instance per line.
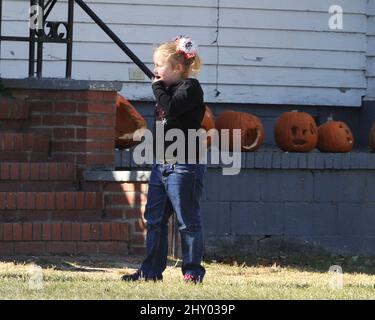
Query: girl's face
x=164 y=70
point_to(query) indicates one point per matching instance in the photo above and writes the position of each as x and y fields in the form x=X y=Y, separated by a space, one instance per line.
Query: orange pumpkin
x=335 y=136
x=128 y=121
x=208 y=123
x=372 y=138
x=252 y=131
x=296 y=132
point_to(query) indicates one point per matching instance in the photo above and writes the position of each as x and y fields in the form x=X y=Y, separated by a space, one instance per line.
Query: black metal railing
x=38 y=36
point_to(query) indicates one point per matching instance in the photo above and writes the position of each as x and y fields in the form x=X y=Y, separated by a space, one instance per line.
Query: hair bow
x=186 y=46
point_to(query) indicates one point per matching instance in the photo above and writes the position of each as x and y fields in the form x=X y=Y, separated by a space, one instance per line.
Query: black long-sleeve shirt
x=180 y=106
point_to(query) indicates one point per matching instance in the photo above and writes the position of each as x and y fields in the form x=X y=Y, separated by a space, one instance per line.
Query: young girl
x=175 y=186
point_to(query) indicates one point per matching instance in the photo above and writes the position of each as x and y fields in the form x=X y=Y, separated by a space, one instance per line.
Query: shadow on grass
x=97 y=263
x=312 y=262
x=301 y=261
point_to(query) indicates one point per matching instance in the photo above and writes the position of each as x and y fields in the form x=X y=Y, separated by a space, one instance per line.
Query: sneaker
x=189 y=278
x=138 y=275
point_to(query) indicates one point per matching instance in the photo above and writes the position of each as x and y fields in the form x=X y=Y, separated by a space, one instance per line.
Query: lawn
x=281 y=277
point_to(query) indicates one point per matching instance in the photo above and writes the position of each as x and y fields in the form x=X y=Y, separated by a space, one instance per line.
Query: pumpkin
x=128 y=121
x=252 y=131
x=335 y=136
x=208 y=123
x=372 y=138
x=296 y=132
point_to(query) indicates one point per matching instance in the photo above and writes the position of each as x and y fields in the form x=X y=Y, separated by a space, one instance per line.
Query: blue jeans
x=174 y=188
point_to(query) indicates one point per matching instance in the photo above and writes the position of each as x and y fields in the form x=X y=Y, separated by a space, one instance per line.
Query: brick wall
x=124 y=201
x=64 y=238
x=51 y=130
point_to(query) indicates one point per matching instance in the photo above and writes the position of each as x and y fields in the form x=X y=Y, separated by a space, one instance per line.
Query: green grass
x=281 y=277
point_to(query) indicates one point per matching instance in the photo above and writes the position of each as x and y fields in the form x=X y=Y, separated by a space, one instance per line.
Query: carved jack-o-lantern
x=252 y=131
x=372 y=138
x=128 y=121
x=296 y=132
x=335 y=136
x=208 y=123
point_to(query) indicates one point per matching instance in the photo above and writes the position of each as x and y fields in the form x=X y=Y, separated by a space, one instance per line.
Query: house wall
x=268 y=52
x=367 y=112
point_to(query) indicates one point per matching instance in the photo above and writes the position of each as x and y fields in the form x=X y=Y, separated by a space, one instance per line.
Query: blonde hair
x=170 y=52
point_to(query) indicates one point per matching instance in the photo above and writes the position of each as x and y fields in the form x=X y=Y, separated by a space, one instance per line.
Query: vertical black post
x=39 y=63
x=31 y=44
x=69 y=38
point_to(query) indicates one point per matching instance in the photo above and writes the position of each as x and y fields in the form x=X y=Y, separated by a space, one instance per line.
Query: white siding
x=370 y=54
x=269 y=51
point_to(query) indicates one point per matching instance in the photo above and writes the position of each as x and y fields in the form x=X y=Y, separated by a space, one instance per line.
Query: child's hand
x=156 y=79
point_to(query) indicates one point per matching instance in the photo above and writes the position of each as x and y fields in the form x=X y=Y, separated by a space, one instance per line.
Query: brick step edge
x=70 y=248
x=59 y=200
x=38 y=171
x=24 y=142
x=27 y=156
x=64 y=231
x=13 y=108
x=38 y=186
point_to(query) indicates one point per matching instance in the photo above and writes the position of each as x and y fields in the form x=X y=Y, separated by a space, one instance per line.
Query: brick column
x=78 y=116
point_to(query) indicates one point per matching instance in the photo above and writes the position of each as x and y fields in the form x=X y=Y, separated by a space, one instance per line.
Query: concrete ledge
x=117 y=176
x=277 y=159
x=60 y=84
